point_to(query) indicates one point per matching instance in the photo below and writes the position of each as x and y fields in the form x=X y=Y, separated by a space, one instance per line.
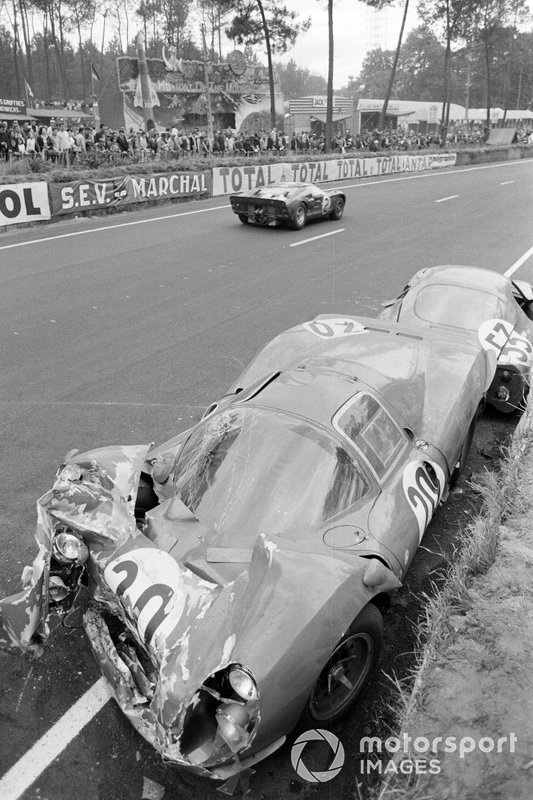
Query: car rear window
x=457 y=307
x=373 y=431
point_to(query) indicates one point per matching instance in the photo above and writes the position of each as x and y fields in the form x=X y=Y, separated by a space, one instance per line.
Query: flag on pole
x=28 y=88
x=94 y=73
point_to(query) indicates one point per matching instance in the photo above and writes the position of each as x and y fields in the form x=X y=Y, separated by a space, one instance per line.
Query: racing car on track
x=292 y=204
x=464 y=298
x=236 y=575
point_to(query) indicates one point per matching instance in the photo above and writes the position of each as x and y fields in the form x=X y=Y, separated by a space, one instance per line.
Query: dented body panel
x=300 y=498
x=470 y=300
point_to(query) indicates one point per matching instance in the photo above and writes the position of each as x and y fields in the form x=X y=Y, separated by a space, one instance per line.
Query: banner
x=69 y=198
x=244 y=179
x=24 y=202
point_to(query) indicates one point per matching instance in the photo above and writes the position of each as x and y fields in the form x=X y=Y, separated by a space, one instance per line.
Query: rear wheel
x=347 y=671
x=300 y=218
x=244 y=219
x=338 y=208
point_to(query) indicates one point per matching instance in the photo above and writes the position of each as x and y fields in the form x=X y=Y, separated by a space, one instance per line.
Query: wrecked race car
x=463 y=298
x=233 y=579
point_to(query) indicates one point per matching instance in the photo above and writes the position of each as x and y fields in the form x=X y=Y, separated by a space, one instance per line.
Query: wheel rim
x=300 y=215
x=343 y=676
x=339 y=208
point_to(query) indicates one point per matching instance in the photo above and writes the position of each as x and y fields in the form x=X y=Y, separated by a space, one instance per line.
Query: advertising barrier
x=24 y=202
x=69 y=198
x=245 y=179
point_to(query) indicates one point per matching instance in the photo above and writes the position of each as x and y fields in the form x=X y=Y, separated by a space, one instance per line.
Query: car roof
x=399 y=365
x=464 y=276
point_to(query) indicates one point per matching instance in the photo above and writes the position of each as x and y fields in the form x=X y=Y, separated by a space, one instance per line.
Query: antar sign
x=24 y=202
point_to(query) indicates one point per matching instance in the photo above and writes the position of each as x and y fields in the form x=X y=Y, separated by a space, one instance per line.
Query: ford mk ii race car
x=290 y=203
x=464 y=299
x=235 y=576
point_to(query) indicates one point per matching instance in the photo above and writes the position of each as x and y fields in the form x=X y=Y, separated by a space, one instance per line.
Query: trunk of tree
x=82 y=59
x=489 y=83
x=59 y=57
x=27 y=41
x=16 y=48
x=445 y=104
x=393 y=70
x=329 y=101
x=270 y=65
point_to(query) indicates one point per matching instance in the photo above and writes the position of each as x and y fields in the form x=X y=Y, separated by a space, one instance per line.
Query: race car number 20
x=333 y=327
x=423 y=484
x=155 y=591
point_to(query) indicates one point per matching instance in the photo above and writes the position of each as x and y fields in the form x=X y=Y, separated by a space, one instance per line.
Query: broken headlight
x=222 y=718
x=242 y=683
x=68 y=547
x=69 y=555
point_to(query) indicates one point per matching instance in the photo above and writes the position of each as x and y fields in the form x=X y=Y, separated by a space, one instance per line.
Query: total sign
x=24 y=202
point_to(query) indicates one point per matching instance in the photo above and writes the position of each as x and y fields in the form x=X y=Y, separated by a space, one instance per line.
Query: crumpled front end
x=91 y=501
x=220 y=719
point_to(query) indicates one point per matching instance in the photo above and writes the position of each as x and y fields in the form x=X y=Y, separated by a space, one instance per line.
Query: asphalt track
x=121 y=329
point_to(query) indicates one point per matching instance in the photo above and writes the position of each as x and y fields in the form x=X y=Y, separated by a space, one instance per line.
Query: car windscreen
x=457 y=307
x=258 y=471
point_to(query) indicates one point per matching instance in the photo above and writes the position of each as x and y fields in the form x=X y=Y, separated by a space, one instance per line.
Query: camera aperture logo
x=317 y=735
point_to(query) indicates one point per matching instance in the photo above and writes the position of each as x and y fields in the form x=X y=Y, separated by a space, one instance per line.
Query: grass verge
x=506 y=497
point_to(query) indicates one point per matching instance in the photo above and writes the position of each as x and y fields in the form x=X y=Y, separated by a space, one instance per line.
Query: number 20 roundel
x=156 y=592
x=423 y=484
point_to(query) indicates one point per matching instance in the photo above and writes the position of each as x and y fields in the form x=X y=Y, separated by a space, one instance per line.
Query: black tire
x=463 y=455
x=146 y=498
x=300 y=218
x=338 y=208
x=244 y=219
x=354 y=659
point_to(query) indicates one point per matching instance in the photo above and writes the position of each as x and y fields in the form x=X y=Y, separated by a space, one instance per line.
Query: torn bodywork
x=235 y=574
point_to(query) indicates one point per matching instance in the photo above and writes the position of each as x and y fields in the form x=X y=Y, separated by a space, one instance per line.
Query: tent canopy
x=19 y=117
x=336 y=117
x=59 y=113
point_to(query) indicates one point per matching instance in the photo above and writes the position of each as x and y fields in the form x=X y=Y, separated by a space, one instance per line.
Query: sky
x=357 y=29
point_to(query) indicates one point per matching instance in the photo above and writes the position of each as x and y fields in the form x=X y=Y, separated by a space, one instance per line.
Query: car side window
x=370 y=427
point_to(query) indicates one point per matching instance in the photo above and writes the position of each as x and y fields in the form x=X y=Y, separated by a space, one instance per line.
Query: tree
x=297 y=81
x=393 y=69
x=375 y=72
x=258 y=21
x=485 y=23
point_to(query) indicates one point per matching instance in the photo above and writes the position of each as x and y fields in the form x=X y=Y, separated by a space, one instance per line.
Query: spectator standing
x=79 y=142
x=52 y=145
x=4 y=140
x=122 y=142
x=100 y=137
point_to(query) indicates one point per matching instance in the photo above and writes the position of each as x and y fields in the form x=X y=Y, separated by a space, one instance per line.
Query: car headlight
x=222 y=718
x=232 y=722
x=242 y=683
x=68 y=548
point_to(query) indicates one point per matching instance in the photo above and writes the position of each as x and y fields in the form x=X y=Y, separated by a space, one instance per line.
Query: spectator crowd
x=61 y=143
